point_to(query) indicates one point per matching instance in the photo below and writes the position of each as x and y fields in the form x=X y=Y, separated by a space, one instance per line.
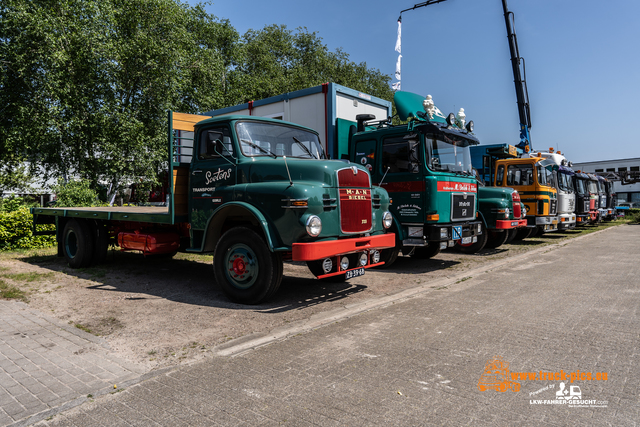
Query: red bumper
x=507 y=224
x=318 y=250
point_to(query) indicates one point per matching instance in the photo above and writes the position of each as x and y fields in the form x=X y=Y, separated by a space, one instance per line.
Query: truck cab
x=581 y=184
x=425 y=165
x=594 y=199
x=534 y=178
x=565 y=189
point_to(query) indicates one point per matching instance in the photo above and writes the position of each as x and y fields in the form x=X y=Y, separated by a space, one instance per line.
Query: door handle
x=196 y=171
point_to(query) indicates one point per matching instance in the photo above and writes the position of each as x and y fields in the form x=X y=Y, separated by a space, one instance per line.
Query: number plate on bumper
x=350 y=274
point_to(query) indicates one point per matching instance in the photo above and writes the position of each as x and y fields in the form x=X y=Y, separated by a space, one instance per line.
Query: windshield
x=272 y=139
x=448 y=155
x=545 y=176
x=565 y=182
x=581 y=187
x=593 y=187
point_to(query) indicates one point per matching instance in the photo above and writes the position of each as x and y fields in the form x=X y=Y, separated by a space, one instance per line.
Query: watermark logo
x=496 y=376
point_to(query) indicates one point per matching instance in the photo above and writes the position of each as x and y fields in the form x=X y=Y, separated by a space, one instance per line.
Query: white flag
x=395 y=86
x=398 y=41
x=398 y=67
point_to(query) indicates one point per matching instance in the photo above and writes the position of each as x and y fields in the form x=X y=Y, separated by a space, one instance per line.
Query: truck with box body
x=253 y=192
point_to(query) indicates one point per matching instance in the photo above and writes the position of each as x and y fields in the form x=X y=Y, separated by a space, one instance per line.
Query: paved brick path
x=418 y=362
x=45 y=364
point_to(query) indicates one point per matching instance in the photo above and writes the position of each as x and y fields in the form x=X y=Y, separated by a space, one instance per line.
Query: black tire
x=425 y=252
x=476 y=247
x=495 y=239
x=244 y=267
x=512 y=235
x=77 y=243
x=523 y=233
x=534 y=232
x=389 y=256
x=101 y=245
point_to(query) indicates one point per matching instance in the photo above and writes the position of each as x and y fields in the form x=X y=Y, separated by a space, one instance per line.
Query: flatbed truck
x=253 y=192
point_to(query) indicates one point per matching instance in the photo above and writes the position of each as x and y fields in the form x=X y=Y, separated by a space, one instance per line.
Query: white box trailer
x=328 y=109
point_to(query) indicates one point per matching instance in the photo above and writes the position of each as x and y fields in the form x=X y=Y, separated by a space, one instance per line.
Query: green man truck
x=253 y=192
x=425 y=165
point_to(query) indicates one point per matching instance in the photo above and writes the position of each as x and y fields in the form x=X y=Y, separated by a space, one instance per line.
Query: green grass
x=28 y=277
x=11 y=292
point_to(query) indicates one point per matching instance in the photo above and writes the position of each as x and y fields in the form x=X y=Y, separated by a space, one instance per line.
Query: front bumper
x=327 y=248
x=566 y=221
x=507 y=224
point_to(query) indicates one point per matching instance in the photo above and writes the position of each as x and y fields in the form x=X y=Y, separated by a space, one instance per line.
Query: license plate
x=466 y=240
x=554 y=222
x=354 y=273
x=514 y=224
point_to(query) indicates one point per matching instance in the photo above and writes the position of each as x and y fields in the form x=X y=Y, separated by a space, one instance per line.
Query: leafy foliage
x=16 y=231
x=85 y=84
x=75 y=193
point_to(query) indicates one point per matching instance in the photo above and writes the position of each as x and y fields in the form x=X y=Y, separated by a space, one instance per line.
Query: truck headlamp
x=314 y=225
x=451 y=119
x=364 y=257
x=387 y=219
x=344 y=263
x=444 y=234
x=470 y=126
x=507 y=211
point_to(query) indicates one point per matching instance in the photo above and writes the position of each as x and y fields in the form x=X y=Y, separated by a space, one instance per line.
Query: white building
x=626 y=193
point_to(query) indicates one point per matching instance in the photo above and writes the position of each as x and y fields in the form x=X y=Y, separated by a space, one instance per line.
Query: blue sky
x=582 y=61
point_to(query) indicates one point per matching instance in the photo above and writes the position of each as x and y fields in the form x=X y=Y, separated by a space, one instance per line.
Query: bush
x=13 y=203
x=75 y=193
x=633 y=215
x=16 y=231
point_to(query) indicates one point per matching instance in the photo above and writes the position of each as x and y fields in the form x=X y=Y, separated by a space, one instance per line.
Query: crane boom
x=519 y=79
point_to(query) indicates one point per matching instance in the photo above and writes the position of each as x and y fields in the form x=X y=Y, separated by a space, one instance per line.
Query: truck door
x=400 y=160
x=213 y=174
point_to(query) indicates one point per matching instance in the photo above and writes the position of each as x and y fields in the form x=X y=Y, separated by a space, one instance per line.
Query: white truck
x=565 y=187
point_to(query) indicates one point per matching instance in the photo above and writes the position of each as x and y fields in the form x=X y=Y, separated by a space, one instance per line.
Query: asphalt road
x=570 y=309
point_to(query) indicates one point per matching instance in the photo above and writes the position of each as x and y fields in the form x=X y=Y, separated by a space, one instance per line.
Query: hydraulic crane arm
x=519 y=78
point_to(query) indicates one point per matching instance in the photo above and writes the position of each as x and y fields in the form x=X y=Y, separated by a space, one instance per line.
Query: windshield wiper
x=264 y=150
x=305 y=147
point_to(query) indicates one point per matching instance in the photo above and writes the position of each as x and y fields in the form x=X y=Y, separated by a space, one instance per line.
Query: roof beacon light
x=429 y=106
x=461 y=118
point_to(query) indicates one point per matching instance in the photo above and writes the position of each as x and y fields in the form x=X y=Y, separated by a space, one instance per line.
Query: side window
x=366 y=154
x=399 y=155
x=500 y=176
x=214 y=143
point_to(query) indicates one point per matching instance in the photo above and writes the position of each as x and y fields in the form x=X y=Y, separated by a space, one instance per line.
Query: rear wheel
x=77 y=243
x=474 y=248
x=497 y=238
x=244 y=267
x=101 y=245
x=430 y=251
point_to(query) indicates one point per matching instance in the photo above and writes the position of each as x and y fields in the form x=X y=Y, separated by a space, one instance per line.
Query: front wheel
x=244 y=267
x=474 y=248
x=496 y=238
x=512 y=235
x=430 y=251
x=389 y=256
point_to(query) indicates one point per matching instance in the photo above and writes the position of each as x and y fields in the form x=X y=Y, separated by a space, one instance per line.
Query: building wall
x=626 y=193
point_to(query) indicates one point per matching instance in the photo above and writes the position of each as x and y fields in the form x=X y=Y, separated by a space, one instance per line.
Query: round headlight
x=470 y=126
x=314 y=226
x=344 y=263
x=363 y=259
x=507 y=211
x=327 y=265
x=451 y=119
x=387 y=219
x=375 y=256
